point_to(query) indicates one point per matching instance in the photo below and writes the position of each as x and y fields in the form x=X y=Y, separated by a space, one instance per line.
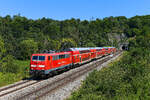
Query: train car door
x=80 y=59
x=49 y=62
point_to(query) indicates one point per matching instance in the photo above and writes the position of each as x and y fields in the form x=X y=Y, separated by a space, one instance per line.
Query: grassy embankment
x=126 y=79
x=21 y=71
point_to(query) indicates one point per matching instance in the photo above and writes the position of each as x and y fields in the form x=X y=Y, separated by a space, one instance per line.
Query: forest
x=20 y=37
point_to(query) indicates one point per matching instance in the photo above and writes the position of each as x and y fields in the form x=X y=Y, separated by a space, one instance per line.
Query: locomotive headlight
x=33 y=65
x=41 y=65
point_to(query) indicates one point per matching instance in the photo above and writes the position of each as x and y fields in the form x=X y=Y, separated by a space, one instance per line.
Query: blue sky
x=66 y=9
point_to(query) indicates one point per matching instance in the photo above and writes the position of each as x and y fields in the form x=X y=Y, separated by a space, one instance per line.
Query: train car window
x=84 y=51
x=61 y=56
x=48 y=57
x=99 y=49
x=56 y=57
x=53 y=57
x=67 y=56
x=41 y=58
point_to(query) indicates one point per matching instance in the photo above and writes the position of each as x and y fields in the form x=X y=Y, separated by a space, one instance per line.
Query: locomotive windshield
x=38 y=58
x=41 y=58
x=34 y=58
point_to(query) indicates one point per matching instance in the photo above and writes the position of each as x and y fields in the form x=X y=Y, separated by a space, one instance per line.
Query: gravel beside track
x=57 y=87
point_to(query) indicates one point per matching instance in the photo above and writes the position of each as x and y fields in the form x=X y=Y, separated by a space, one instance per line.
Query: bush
x=8 y=65
x=13 y=70
x=127 y=79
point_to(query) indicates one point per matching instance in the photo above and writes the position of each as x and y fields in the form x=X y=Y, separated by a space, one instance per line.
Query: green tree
x=67 y=43
x=28 y=47
x=8 y=65
x=2 y=48
x=2 y=52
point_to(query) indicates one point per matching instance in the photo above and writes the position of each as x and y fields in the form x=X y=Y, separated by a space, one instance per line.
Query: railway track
x=60 y=82
x=15 y=87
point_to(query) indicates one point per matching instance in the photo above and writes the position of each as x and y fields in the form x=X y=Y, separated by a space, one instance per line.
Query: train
x=45 y=64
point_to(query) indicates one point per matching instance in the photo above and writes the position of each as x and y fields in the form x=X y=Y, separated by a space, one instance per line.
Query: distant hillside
x=22 y=36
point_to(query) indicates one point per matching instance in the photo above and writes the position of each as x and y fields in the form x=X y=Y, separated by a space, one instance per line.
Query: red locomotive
x=47 y=63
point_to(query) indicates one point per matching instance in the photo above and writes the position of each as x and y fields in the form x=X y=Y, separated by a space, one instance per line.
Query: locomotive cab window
x=38 y=58
x=41 y=58
x=34 y=58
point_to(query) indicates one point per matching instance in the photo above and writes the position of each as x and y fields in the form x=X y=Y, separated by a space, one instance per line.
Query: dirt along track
x=39 y=89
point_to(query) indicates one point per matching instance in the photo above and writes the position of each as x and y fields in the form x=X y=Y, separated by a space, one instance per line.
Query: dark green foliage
x=27 y=48
x=67 y=43
x=2 y=48
x=48 y=34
